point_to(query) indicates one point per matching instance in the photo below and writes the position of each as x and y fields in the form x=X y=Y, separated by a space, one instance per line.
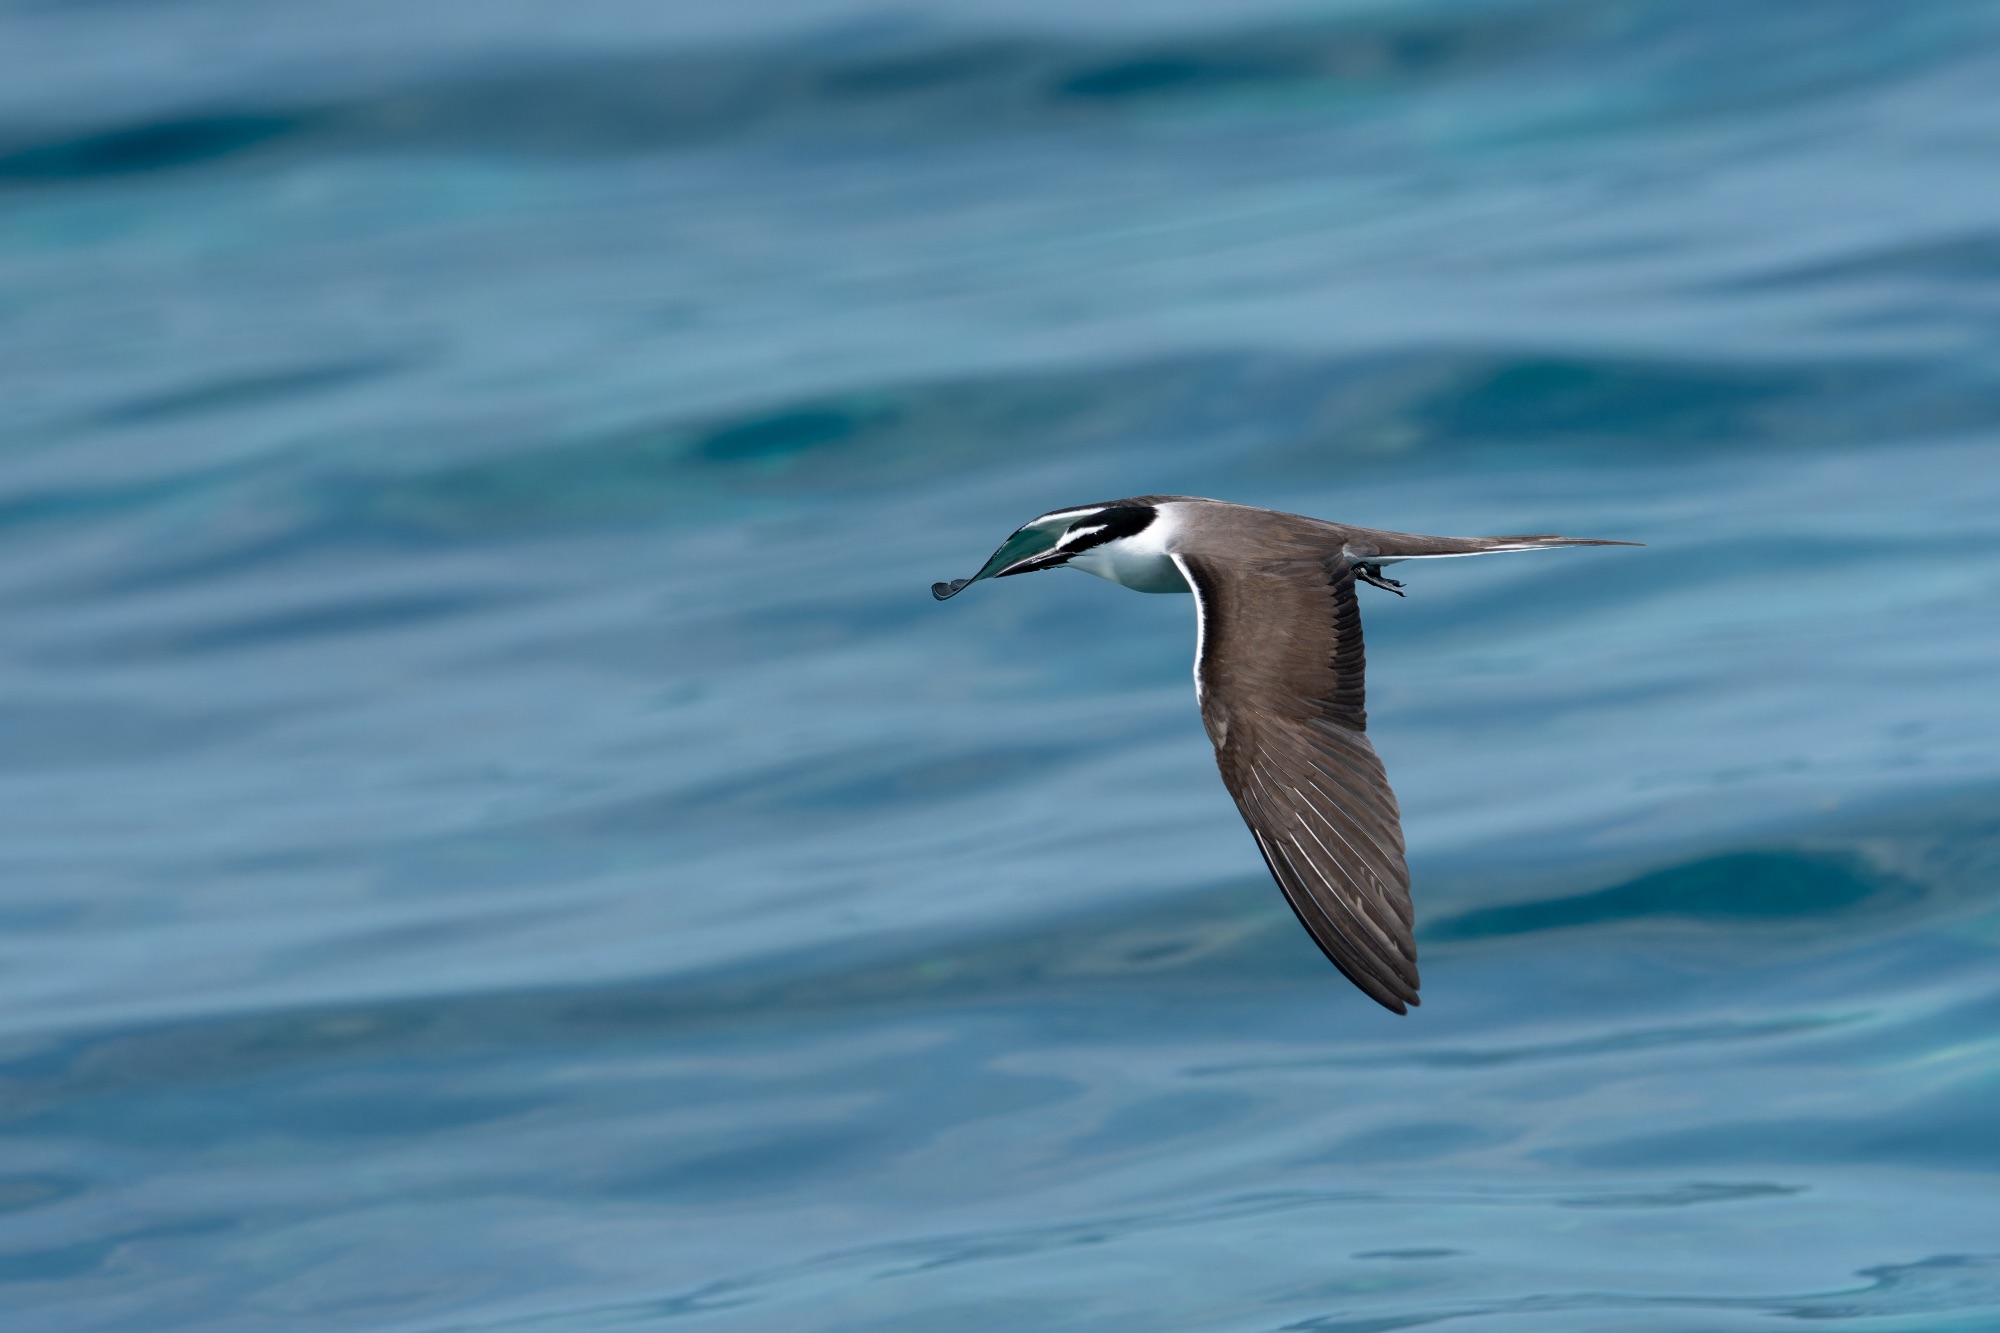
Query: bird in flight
x=1278 y=673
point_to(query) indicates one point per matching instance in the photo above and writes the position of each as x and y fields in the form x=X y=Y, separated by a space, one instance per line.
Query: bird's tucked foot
x=1373 y=574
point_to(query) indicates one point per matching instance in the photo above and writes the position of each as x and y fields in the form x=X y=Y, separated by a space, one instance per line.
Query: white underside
x=1139 y=562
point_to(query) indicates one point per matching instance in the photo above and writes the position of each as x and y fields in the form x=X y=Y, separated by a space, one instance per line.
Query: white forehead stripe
x=1061 y=514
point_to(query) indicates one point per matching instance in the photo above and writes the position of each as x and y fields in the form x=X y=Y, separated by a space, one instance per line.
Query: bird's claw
x=1373 y=574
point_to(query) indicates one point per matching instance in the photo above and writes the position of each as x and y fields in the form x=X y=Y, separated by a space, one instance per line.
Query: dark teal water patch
x=1520 y=409
x=668 y=470
x=157 y=146
x=97 y=502
x=1373 y=51
x=1150 y=76
x=774 y=438
x=1741 y=885
x=1534 y=400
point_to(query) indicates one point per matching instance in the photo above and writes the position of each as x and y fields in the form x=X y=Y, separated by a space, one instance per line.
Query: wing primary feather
x=1389 y=967
x=1363 y=908
x=1306 y=808
x=1381 y=850
x=1371 y=851
x=1332 y=941
x=1383 y=949
x=1298 y=888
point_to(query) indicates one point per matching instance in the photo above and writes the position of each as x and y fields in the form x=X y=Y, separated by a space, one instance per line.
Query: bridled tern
x=1278 y=673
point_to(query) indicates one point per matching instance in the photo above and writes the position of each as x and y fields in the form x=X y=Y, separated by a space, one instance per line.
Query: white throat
x=1141 y=561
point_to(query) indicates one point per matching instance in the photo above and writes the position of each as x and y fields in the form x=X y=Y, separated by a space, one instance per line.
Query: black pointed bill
x=1030 y=549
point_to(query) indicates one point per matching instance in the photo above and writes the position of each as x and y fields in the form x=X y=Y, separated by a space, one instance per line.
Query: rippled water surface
x=497 y=834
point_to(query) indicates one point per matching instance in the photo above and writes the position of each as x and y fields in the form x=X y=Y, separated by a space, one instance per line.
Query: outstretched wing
x=1279 y=671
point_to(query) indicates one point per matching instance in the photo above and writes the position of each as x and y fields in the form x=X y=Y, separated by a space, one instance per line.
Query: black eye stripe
x=1107 y=525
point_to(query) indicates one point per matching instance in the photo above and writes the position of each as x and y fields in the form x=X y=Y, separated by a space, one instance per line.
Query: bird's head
x=1056 y=538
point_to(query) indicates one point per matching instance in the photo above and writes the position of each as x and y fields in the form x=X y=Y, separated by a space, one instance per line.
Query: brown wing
x=1279 y=670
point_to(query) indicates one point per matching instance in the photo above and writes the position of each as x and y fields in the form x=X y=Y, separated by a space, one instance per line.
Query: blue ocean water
x=497 y=835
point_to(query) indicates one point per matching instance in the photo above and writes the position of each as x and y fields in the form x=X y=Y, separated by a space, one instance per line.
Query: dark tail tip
x=952 y=589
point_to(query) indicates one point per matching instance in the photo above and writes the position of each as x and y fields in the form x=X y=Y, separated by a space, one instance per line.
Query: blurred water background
x=498 y=836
